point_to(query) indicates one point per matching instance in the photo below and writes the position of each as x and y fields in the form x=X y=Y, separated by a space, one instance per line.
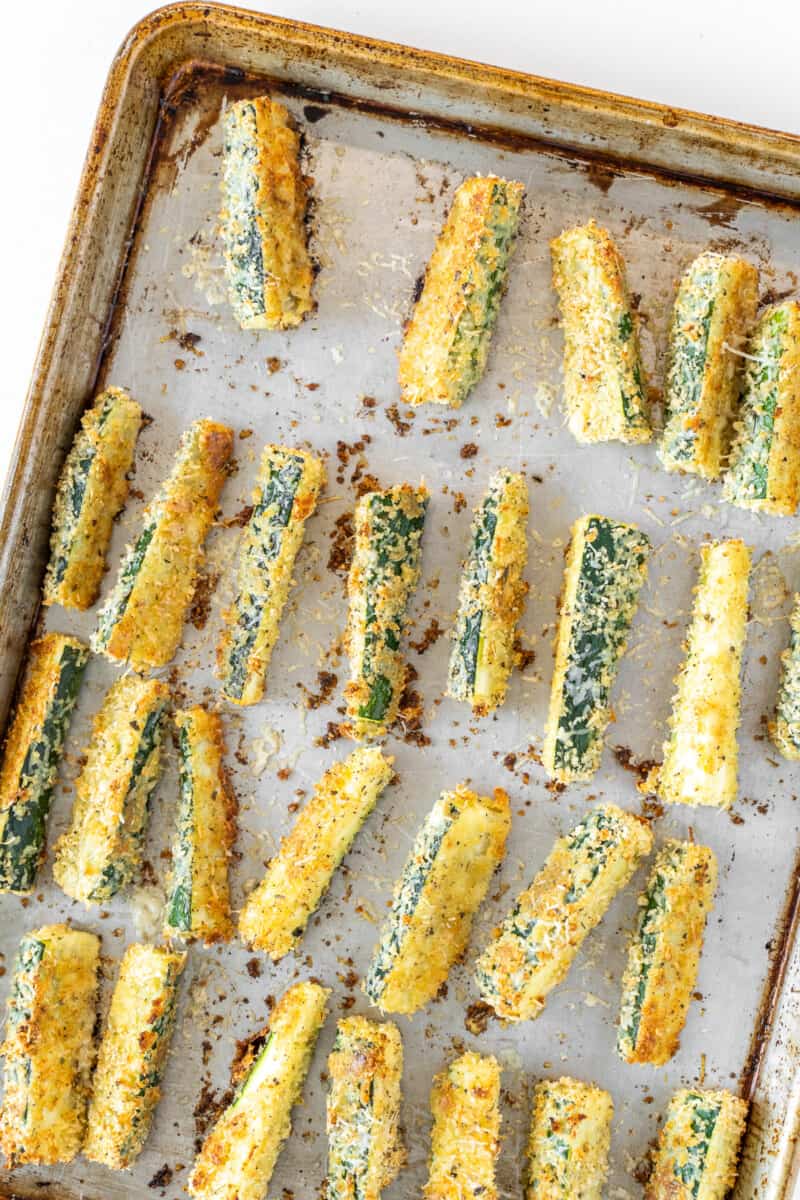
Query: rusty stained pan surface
x=382 y=184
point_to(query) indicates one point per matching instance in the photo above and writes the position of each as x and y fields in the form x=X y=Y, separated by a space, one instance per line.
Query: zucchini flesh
x=700 y=755
x=133 y=1053
x=605 y=392
x=142 y=620
x=698 y=1147
x=32 y=753
x=714 y=311
x=785 y=728
x=365 y=1152
x=492 y=596
x=540 y=937
x=265 y=197
x=91 y=491
x=605 y=570
x=447 y=340
x=465 y=1142
x=444 y=881
x=383 y=576
x=239 y=1154
x=284 y=498
x=569 y=1141
x=198 y=900
x=764 y=473
x=49 y=1045
x=664 y=955
x=277 y=912
x=101 y=852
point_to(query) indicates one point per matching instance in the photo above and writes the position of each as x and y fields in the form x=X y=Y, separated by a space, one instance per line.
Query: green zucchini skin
x=698 y=1146
x=606 y=568
x=784 y=730
x=284 y=498
x=492 y=596
x=92 y=489
x=714 y=311
x=33 y=751
x=383 y=576
x=100 y=854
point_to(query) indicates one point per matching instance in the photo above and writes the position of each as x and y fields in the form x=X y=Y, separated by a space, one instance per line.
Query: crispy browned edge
x=749 y=161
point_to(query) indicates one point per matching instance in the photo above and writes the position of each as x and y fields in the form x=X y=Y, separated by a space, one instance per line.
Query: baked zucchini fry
x=492 y=596
x=569 y=1141
x=33 y=750
x=365 y=1067
x=263 y=218
x=284 y=498
x=764 y=472
x=91 y=491
x=700 y=755
x=383 y=576
x=446 y=342
x=142 y=619
x=536 y=944
x=605 y=569
x=101 y=852
x=714 y=312
x=784 y=730
x=276 y=913
x=605 y=393
x=664 y=955
x=198 y=900
x=465 y=1141
x=133 y=1054
x=458 y=847
x=698 y=1148
x=49 y=1045
x=239 y=1155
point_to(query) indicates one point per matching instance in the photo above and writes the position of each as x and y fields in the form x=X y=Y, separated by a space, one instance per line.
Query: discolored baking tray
x=389 y=132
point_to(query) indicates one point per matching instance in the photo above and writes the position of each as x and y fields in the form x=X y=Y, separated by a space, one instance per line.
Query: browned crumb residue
x=186 y=341
x=468 y=450
x=523 y=658
x=253 y=967
x=239 y=519
x=501 y=421
x=326 y=683
x=410 y=712
x=273 y=364
x=477 y=1017
x=401 y=427
x=431 y=635
x=347 y=450
x=459 y=502
x=162 y=1178
x=201 y=601
x=342 y=543
x=332 y=734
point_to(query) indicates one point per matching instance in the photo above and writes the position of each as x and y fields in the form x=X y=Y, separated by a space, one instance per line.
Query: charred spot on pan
x=314 y=113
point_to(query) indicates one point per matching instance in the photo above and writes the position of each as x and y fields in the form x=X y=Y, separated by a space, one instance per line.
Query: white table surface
x=695 y=54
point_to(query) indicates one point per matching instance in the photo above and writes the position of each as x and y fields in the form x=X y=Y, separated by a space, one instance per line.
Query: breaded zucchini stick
x=133 y=1054
x=91 y=491
x=700 y=755
x=239 y=1155
x=33 y=750
x=142 y=619
x=605 y=569
x=383 y=576
x=605 y=392
x=365 y=1151
x=446 y=342
x=263 y=218
x=492 y=596
x=49 y=1047
x=465 y=1142
x=698 y=1147
x=101 y=852
x=285 y=496
x=535 y=947
x=785 y=728
x=198 y=899
x=276 y=913
x=764 y=472
x=664 y=955
x=714 y=312
x=569 y=1141
x=444 y=881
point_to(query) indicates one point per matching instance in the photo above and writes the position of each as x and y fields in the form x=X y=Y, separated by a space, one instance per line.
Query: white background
x=713 y=56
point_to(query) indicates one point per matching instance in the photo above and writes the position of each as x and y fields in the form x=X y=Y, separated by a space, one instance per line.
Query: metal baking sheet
x=382 y=182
